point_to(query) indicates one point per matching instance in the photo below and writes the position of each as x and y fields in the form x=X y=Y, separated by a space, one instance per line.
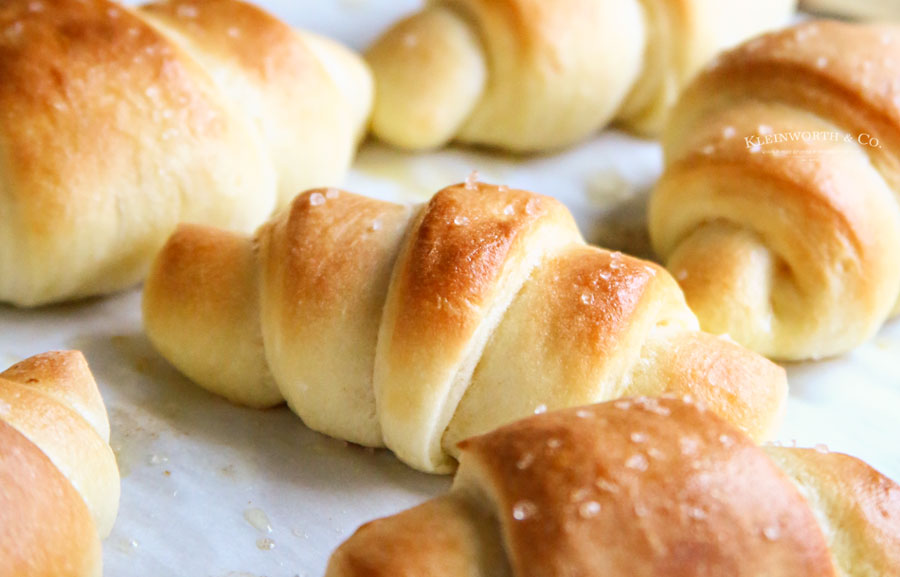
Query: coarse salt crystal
x=589 y=509
x=524 y=510
x=637 y=462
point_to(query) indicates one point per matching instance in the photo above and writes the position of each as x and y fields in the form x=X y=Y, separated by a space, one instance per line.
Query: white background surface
x=193 y=465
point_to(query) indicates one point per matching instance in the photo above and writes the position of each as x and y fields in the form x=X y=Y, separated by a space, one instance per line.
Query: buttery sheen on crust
x=117 y=123
x=416 y=327
x=778 y=211
x=639 y=487
x=59 y=484
x=531 y=75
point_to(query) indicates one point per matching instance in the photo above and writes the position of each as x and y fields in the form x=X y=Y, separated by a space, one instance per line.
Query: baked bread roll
x=59 y=484
x=639 y=487
x=118 y=123
x=865 y=9
x=417 y=327
x=534 y=75
x=778 y=210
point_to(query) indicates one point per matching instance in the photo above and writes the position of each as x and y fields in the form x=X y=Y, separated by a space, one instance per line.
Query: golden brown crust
x=860 y=506
x=778 y=212
x=609 y=487
x=227 y=28
x=469 y=253
x=733 y=382
x=326 y=265
x=92 y=97
x=65 y=376
x=210 y=274
x=38 y=406
x=445 y=537
x=642 y=487
x=589 y=302
x=308 y=116
x=460 y=250
x=416 y=328
x=444 y=102
x=117 y=124
x=45 y=528
x=838 y=64
x=59 y=485
x=597 y=306
x=529 y=75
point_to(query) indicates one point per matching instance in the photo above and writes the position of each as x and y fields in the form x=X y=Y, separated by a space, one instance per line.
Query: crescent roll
x=417 y=327
x=638 y=488
x=778 y=210
x=535 y=75
x=117 y=123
